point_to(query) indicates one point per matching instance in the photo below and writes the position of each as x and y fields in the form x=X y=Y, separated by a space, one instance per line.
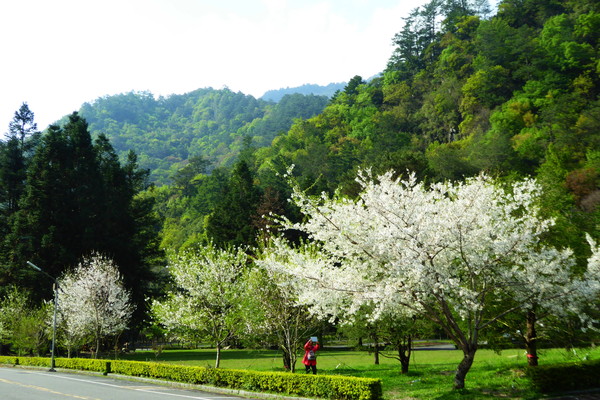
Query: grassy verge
x=493 y=376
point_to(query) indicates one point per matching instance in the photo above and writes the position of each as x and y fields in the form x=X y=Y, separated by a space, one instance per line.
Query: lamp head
x=32 y=265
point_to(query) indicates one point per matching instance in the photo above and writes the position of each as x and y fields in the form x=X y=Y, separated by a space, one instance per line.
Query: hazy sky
x=58 y=54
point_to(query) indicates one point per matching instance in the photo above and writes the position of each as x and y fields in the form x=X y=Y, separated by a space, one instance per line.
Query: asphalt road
x=23 y=384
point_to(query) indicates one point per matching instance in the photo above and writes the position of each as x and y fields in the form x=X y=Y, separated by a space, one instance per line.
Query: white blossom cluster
x=449 y=251
x=590 y=284
x=210 y=287
x=93 y=301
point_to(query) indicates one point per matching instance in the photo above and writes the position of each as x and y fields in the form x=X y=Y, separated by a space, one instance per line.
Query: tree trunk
x=97 y=345
x=293 y=359
x=531 y=339
x=218 y=360
x=288 y=345
x=404 y=351
x=287 y=360
x=375 y=339
x=465 y=365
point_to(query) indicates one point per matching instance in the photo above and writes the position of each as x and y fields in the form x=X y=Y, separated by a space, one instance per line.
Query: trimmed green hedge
x=322 y=386
x=81 y=364
x=12 y=360
x=30 y=361
x=565 y=377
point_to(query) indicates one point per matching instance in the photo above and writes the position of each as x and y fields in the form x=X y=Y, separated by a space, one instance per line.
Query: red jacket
x=308 y=347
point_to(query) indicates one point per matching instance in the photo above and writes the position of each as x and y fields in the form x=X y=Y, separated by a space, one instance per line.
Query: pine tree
x=12 y=176
x=23 y=127
x=22 y=136
x=230 y=223
x=79 y=200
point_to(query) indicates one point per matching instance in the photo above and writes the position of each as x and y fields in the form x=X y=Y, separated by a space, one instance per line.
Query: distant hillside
x=166 y=131
x=329 y=90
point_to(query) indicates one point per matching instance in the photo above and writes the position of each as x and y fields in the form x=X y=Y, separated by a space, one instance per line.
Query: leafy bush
x=333 y=387
x=323 y=386
x=11 y=360
x=29 y=361
x=81 y=364
x=563 y=377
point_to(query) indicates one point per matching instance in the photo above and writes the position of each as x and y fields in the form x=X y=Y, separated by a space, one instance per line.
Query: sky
x=58 y=54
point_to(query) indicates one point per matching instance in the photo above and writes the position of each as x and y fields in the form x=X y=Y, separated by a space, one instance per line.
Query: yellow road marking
x=43 y=389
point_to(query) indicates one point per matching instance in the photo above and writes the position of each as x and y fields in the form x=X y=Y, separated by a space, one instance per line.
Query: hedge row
x=81 y=364
x=322 y=386
x=565 y=377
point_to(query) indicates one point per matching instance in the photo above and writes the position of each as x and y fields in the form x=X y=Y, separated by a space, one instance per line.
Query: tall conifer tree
x=79 y=200
x=230 y=223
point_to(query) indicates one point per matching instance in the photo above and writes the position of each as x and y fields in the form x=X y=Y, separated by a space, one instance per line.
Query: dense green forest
x=65 y=196
x=167 y=131
x=515 y=94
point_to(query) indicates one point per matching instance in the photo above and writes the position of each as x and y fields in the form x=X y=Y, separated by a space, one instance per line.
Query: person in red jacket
x=310 y=356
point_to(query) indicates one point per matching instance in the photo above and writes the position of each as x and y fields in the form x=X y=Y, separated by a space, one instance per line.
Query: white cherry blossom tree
x=93 y=302
x=210 y=289
x=450 y=252
x=274 y=315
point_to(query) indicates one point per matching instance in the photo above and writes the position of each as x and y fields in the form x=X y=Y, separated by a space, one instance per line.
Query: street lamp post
x=55 y=287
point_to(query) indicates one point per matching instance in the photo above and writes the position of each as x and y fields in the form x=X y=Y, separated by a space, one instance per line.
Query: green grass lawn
x=493 y=376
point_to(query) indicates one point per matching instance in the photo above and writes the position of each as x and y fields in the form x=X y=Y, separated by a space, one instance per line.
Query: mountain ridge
x=308 y=88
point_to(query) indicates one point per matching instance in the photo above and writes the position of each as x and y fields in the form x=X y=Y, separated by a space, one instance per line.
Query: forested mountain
x=515 y=95
x=317 y=90
x=167 y=131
